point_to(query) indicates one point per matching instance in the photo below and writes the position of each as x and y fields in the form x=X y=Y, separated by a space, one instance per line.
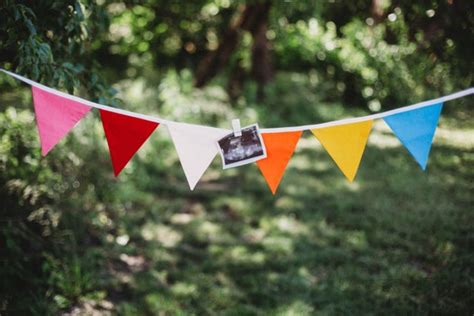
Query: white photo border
x=246 y=161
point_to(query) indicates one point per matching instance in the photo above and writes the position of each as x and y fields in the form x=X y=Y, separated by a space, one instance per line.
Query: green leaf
x=78 y=10
x=17 y=15
x=30 y=27
x=79 y=68
x=29 y=11
x=35 y=71
x=68 y=66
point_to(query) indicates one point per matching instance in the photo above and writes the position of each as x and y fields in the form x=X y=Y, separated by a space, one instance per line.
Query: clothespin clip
x=236 y=128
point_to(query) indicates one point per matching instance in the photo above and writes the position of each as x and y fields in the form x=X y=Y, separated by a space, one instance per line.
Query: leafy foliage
x=48 y=42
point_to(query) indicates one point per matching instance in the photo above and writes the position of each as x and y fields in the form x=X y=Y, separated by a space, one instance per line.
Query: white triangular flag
x=196 y=147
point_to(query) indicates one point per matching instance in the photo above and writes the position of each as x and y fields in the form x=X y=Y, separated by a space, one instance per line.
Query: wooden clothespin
x=236 y=128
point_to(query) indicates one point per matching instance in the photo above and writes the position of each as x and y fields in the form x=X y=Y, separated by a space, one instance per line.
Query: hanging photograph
x=241 y=150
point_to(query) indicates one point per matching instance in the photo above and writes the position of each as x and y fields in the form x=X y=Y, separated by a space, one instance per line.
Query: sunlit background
x=76 y=241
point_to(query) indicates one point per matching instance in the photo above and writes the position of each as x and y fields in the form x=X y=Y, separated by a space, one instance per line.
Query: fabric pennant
x=415 y=129
x=280 y=148
x=345 y=144
x=125 y=135
x=196 y=147
x=55 y=117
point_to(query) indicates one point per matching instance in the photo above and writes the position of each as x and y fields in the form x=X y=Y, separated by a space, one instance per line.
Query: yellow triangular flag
x=345 y=144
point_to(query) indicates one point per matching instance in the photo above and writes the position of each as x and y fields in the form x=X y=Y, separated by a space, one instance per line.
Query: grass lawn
x=396 y=241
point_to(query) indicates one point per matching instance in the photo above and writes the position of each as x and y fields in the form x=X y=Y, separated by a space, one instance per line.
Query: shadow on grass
x=395 y=241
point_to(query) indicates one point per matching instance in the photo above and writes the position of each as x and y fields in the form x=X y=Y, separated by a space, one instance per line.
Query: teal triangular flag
x=415 y=129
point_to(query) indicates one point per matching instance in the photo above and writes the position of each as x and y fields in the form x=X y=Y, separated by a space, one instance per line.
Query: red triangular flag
x=125 y=135
x=55 y=116
x=280 y=148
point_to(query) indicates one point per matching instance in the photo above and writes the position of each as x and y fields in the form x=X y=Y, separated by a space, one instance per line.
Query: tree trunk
x=254 y=19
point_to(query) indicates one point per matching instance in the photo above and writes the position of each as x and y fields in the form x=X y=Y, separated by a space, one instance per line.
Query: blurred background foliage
x=373 y=54
x=75 y=241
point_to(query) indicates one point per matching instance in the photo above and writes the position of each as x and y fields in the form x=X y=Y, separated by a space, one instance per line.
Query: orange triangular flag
x=345 y=144
x=280 y=148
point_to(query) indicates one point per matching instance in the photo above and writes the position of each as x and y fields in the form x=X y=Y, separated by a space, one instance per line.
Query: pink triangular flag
x=55 y=117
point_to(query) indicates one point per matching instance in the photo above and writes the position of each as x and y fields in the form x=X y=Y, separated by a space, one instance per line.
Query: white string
x=87 y=102
x=449 y=97
x=375 y=116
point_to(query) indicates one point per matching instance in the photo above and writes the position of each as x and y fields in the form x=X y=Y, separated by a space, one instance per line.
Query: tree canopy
x=376 y=54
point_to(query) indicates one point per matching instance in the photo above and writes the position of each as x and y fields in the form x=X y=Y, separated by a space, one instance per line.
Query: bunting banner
x=416 y=129
x=196 y=148
x=345 y=144
x=270 y=148
x=280 y=148
x=55 y=117
x=125 y=135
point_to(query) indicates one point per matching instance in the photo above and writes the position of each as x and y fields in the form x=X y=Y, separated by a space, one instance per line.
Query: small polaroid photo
x=241 y=150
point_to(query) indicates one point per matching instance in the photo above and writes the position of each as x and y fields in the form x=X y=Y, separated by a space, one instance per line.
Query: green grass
x=396 y=241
